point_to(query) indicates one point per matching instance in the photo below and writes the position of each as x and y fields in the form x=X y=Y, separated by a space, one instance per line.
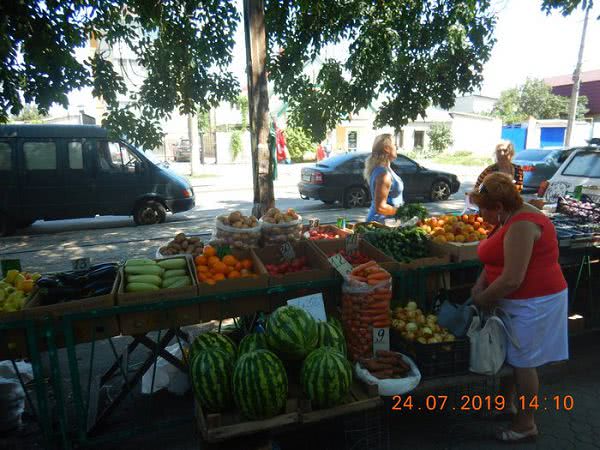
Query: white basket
x=278 y=233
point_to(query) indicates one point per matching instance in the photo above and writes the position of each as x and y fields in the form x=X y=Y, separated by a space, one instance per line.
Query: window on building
x=5 y=159
x=352 y=140
x=419 y=139
x=400 y=139
x=40 y=155
x=75 y=150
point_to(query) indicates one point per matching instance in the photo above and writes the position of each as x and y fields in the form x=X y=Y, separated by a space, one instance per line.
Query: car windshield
x=584 y=165
x=532 y=155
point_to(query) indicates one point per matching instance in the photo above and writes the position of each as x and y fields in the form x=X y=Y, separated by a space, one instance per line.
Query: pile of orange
x=465 y=228
x=211 y=269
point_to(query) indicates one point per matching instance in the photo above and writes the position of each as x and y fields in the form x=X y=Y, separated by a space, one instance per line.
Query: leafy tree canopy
x=534 y=98
x=403 y=55
x=184 y=47
x=566 y=7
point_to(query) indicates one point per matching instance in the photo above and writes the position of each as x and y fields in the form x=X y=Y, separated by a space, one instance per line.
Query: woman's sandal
x=505 y=414
x=509 y=436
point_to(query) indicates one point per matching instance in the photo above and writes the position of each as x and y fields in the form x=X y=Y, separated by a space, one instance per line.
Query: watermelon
x=212 y=340
x=331 y=336
x=211 y=373
x=326 y=377
x=251 y=342
x=292 y=333
x=260 y=385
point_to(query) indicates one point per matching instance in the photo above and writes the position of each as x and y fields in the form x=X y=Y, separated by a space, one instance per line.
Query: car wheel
x=355 y=197
x=7 y=226
x=440 y=190
x=328 y=202
x=149 y=212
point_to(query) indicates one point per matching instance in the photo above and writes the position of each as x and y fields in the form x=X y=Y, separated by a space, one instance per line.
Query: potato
x=180 y=237
x=194 y=240
x=184 y=245
x=162 y=250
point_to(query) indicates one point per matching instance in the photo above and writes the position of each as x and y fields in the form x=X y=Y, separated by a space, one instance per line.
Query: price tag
x=287 y=251
x=352 y=243
x=81 y=263
x=381 y=339
x=10 y=264
x=313 y=223
x=312 y=304
x=340 y=264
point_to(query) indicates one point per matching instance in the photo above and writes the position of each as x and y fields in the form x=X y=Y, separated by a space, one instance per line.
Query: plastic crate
x=435 y=360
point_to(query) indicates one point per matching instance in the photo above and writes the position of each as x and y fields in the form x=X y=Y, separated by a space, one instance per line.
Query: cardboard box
x=87 y=330
x=438 y=257
x=144 y=322
x=456 y=252
x=386 y=262
x=320 y=267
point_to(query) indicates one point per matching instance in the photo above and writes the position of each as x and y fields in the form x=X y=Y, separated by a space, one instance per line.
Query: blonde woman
x=386 y=187
x=505 y=152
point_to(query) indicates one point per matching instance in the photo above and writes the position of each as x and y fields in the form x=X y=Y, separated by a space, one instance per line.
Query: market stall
x=356 y=304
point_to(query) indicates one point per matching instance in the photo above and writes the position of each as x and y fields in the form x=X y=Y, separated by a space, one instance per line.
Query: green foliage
x=242 y=104
x=183 y=48
x=534 y=98
x=236 y=146
x=566 y=7
x=440 y=138
x=408 y=54
x=462 y=158
x=298 y=143
x=29 y=113
x=203 y=121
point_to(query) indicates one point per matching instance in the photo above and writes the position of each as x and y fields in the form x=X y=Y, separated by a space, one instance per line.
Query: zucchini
x=140 y=262
x=152 y=279
x=144 y=270
x=173 y=263
x=181 y=282
x=170 y=281
x=174 y=273
x=140 y=287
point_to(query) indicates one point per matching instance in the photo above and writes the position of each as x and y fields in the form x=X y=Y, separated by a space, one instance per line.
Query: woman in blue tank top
x=386 y=186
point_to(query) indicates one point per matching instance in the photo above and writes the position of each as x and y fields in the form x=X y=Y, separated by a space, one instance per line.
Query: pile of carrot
x=386 y=365
x=365 y=305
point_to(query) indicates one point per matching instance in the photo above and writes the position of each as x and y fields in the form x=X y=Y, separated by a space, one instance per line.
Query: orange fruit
x=465 y=218
x=209 y=251
x=200 y=260
x=234 y=274
x=238 y=266
x=212 y=260
x=247 y=264
x=229 y=260
x=219 y=268
x=480 y=219
x=202 y=269
x=211 y=282
x=228 y=270
x=482 y=231
x=219 y=277
x=202 y=276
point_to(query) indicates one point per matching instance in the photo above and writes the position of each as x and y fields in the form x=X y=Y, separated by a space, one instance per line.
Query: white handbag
x=488 y=336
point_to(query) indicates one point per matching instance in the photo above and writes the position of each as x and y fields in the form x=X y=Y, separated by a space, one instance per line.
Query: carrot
x=382 y=324
x=382 y=290
x=377 y=297
x=359 y=278
x=379 y=275
x=362 y=267
x=374 y=281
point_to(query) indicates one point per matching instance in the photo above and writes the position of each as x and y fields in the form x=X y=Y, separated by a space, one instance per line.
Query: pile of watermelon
x=253 y=376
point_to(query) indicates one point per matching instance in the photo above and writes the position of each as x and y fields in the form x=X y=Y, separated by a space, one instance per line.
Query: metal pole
x=576 y=80
x=194 y=147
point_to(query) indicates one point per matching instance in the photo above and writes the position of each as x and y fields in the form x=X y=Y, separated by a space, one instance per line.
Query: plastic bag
x=167 y=376
x=278 y=233
x=242 y=238
x=12 y=396
x=364 y=307
x=396 y=386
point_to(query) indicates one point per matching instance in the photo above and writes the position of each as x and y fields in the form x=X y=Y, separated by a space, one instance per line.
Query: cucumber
x=140 y=287
x=181 y=282
x=174 y=273
x=140 y=262
x=170 y=281
x=152 y=279
x=144 y=270
x=174 y=263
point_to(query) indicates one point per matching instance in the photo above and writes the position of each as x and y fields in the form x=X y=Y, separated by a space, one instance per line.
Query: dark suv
x=340 y=178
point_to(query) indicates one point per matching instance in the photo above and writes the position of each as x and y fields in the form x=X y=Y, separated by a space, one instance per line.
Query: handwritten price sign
x=312 y=304
x=381 y=339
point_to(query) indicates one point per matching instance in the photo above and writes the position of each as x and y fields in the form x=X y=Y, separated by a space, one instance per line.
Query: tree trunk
x=258 y=103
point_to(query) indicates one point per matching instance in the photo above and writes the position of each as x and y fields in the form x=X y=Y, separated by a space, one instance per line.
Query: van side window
x=5 y=159
x=115 y=157
x=75 y=155
x=40 y=155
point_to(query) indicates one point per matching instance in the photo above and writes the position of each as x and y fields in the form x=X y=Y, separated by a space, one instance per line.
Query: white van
x=581 y=168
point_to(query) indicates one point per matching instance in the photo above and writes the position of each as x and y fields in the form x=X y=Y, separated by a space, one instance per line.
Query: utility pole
x=258 y=105
x=576 y=81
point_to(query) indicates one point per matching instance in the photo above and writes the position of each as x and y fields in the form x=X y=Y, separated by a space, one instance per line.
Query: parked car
x=53 y=172
x=540 y=164
x=183 y=151
x=340 y=178
x=581 y=168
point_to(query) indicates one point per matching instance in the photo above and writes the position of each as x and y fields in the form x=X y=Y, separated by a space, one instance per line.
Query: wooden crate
x=385 y=261
x=221 y=427
x=144 y=322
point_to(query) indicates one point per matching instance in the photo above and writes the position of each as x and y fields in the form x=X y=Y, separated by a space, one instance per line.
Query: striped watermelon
x=292 y=333
x=331 y=336
x=212 y=340
x=211 y=374
x=336 y=323
x=251 y=342
x=260 y=385
x=326 y=377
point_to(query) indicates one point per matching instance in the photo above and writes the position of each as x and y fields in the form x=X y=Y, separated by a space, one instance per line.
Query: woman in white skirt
x=522 y=275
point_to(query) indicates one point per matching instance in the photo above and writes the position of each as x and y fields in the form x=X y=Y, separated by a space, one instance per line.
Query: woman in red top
x=522 y=275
